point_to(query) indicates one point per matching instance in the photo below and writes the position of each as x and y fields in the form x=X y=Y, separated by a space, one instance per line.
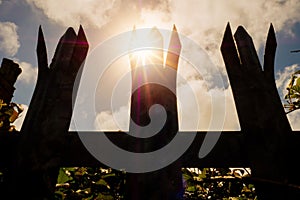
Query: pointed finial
x=271 y=38
x=64 y=49
x=156 y=44
x=230 y=56
x=41 y=51
x=41 y=41
x=227 y=41
x=174 y=49
x=270 y=50
x=155 y=37
x=79 y=54
x=247 y=51
x=81 y=37
x=174 y=28
x=241 y=33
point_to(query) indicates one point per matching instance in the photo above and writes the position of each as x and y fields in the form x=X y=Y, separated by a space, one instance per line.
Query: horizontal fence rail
x=228 y=152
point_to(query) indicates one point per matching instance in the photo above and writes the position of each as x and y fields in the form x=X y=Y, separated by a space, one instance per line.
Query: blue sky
x=203 y=21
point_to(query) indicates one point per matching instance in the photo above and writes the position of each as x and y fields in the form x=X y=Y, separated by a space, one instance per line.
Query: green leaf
x=298 y=81
x=71 y=169
x=295 y=96
x=109 y=175
x=81 y=171
x=102 y=182
x=63 y=177
x=59 y=195
x=203 y=173
x=296 y=88
x=191 y=189
x=187 y=177
x=104 y=197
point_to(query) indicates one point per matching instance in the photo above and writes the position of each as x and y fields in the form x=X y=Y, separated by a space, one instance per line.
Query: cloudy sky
x=202 y=21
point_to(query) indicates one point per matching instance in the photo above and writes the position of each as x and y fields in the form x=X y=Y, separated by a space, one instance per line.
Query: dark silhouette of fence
x=265 y=143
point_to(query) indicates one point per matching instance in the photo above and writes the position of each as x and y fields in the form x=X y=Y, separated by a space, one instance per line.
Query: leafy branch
x=293 y=93
x=9 y=112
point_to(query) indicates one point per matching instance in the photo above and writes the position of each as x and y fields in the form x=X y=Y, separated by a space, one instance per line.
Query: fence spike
x=78 y=57
x=174 y=50
x=247 y=52
x=64 y=49
x=234 y=71
x=33 y=114
x=270 y=51
x=156 y=42
x=42 y=52
x=81 y=37
x=230 y=56
x=80 y=49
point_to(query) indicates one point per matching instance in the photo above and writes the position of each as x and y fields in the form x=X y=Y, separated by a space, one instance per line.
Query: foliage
x=89 y=183
x=218 y=183
x=8 y=114
x=293 y=93
x=107 y=184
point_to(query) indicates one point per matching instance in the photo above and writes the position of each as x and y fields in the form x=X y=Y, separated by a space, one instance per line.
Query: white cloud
x=294 y=119
x=29 y=73
x=203 y=21
x=75 y=12
x=9 y=39
x=200 y=100
x=216 y=107
x=195 y=108
x=119 y=120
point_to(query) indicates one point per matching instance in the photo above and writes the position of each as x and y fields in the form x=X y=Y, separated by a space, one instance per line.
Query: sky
x=202 y=21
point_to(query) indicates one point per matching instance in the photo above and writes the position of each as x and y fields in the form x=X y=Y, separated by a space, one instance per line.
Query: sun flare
x=142 y=57
x=146 y=47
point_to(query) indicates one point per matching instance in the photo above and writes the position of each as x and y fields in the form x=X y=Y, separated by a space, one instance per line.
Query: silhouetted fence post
x=260 y=111
x=42 y=144
x=163 y=183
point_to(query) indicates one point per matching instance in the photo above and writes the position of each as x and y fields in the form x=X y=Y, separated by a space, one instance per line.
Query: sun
x=143 y=57
x=146 y=47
